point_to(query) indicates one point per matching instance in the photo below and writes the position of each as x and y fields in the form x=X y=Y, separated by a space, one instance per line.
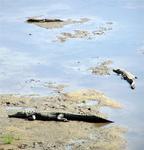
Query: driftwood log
x=57 y=116
x=129 y=77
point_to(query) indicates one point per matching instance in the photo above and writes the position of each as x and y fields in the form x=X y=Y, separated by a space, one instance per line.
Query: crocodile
x=58 y=116
x=129 y=77
x=35 y=20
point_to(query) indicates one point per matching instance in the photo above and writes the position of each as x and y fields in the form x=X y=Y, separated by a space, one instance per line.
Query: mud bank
x=55 y=23
x=84 y=34
x=60 y=135
x=102 y=68
x=76 y=33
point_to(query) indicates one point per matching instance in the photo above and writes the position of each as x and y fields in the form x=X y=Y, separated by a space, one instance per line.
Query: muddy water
x=30 y=56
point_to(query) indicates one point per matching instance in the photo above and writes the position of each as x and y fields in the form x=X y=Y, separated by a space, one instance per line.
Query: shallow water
x=24 y=57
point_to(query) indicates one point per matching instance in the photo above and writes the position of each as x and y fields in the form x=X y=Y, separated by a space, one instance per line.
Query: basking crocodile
x=129 y=77
x=58 y=116
x=34 y=20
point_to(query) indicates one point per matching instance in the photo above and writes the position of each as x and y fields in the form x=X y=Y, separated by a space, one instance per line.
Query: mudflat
x=26 y=134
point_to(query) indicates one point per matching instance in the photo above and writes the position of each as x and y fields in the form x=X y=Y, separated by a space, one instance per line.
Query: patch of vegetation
x=7 y=138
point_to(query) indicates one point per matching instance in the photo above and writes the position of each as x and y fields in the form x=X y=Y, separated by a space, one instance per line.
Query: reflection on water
x=27 y=52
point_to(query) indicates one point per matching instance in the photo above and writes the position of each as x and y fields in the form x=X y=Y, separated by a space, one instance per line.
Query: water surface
x=24 y=57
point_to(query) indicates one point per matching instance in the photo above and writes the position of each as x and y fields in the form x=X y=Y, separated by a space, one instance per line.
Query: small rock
x=22 y=146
